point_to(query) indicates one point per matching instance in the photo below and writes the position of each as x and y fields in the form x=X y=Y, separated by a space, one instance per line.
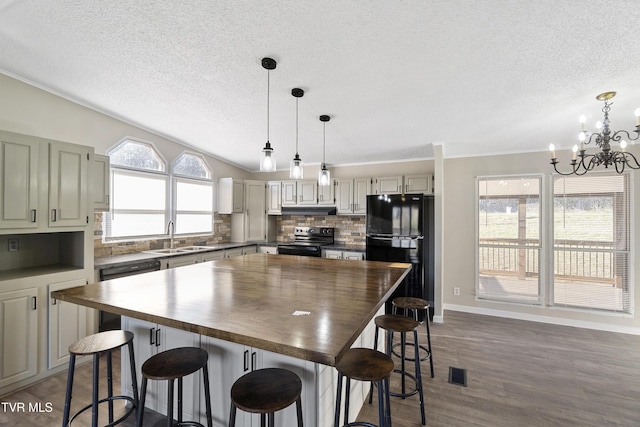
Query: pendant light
x=267 y=160
x=324 y=176
x=296 y=167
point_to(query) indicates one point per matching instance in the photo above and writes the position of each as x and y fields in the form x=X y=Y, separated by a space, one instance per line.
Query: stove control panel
x=313 y=231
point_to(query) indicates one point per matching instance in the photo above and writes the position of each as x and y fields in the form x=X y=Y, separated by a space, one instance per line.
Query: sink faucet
x=171 y=228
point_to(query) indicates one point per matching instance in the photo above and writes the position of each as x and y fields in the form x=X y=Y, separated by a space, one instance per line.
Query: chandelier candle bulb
x=575 y=151
x=623 y=145
x=552 y=148
x=637 y=113
x=583 y=120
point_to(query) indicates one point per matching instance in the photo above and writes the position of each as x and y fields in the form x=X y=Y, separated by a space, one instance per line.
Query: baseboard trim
x=542 y=319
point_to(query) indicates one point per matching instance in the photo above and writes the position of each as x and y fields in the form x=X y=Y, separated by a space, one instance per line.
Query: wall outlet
x=456 y=291
x=14 y=245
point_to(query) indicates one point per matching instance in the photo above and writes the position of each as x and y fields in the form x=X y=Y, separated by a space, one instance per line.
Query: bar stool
x=364 y=364
x=174 y=364
x=96 y=345
x=402 y=324
x=414 y=306
x=264 y=392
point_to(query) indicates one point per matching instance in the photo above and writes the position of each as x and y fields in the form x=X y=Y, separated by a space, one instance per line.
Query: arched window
x=136 y=155
x=140 y=192
x=191 y=165
x=192 y=194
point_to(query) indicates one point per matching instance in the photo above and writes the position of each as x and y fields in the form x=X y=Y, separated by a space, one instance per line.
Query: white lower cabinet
x=336 y=254
x=268 y=249
x=212 y=256
x=67 y=323
x=18 y=332
x=149 y=340
x=179 y=261
x=229 y=361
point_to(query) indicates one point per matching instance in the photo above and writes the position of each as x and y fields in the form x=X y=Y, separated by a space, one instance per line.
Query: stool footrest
x=411 y=359
x=408 y=393
x=105 y=400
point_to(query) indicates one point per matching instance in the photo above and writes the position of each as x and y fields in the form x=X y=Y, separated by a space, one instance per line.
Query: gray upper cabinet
x=31 y=199
x=19 y=193
x=418 y=184
x=100 y=182
x=230 y=196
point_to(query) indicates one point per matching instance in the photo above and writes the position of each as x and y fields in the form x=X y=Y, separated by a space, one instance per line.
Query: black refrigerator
x=400 y=227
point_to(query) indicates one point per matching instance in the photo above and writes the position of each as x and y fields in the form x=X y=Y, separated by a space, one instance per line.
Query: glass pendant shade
x=296 y=168
x=324 y=176
x=267 y=160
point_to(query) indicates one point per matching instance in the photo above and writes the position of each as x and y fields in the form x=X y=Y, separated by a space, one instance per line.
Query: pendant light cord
x=297 y=125
x=324 y=141
x=268 y=72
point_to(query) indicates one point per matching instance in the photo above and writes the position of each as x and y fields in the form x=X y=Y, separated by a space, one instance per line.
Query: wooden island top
x=252 y=299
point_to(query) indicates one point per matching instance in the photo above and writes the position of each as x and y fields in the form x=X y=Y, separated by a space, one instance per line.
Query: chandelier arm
x=627 y=156
x=617 y=135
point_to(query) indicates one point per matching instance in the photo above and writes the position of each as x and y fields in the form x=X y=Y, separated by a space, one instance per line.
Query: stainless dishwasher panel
x=110 y=321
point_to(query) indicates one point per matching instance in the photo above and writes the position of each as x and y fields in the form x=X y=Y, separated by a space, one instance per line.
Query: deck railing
x=586 y=261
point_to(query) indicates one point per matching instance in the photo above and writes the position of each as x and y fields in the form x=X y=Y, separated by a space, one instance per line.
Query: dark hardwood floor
x=519 y=373
x=522 y=373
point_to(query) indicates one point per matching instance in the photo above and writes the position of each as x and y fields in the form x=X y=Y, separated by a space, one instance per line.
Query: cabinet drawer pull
x=107 y=199
x=34 y=303
x=33 y=215
x=253 y=361
x=246 y=360
x=54 y=215
x=158 y=337
x=151 y=336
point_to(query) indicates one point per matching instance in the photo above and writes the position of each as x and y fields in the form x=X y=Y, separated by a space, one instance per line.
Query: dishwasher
x=110 y=321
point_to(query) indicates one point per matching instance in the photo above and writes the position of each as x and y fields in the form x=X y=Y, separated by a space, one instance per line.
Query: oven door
x=303 y=250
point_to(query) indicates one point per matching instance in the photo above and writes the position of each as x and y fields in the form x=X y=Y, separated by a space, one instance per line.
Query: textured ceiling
x=478 y=77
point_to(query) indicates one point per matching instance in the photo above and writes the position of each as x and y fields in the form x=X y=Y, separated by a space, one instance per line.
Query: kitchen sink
x=182 y=250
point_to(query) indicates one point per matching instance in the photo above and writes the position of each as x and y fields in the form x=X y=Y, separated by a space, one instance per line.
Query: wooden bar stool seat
x=413 y=306
x=96 y=345
x=171 y=365
x=264 y=392
x=364 y=364
x=402 y=325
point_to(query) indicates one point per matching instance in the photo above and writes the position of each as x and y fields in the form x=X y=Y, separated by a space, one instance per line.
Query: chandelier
x=581 y=163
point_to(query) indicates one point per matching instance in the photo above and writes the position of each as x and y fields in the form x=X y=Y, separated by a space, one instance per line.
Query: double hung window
x=509 y=241
x=591 y=242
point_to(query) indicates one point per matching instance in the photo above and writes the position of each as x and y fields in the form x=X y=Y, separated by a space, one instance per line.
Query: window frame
x=630 y=268
x=541 y=247
x=171 y=180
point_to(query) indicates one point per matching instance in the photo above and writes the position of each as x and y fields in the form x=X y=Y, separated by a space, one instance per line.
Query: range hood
x=309 y=210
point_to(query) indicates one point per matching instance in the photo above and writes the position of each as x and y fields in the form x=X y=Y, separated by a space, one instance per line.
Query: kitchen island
x=271 y=310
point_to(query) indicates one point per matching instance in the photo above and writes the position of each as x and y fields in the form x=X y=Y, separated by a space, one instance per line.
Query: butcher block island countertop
x=260 y=300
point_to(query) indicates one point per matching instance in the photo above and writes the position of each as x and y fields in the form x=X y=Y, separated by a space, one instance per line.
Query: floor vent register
x=458 y=376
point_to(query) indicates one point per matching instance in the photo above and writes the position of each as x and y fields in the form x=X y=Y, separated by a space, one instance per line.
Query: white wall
x=28 y=110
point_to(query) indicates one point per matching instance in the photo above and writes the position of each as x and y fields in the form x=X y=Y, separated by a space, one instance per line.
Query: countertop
x=117 y=260
x=252 y=299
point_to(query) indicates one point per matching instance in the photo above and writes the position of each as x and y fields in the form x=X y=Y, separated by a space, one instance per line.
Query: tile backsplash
x=221 y=234
x=349 y=229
